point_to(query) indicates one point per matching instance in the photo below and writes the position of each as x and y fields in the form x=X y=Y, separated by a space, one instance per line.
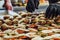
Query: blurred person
x=32 y=5
x=26 y=1
x=53 y=9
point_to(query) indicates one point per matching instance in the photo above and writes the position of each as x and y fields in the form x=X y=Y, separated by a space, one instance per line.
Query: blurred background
x=20 y=5
x=21 y=2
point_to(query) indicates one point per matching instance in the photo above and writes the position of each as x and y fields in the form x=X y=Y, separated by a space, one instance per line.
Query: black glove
x=49 y=12
x=52 y=11
x=30 y=6
x=36 y=2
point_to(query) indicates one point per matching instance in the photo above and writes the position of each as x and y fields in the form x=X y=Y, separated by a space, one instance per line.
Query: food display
x=28 y=26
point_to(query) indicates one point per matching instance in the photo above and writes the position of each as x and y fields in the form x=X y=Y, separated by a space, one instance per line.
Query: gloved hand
x=52 y=11
x=36 y=3
x=30 y=6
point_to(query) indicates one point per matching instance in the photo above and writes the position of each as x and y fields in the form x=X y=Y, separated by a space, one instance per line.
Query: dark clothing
x=58 y=7
x=32 y=5
x=36 y=2
x=53 y=1
x=53 y=9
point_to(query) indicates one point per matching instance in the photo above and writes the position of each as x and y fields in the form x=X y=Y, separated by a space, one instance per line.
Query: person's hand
x=8 y=5
x=52 y=11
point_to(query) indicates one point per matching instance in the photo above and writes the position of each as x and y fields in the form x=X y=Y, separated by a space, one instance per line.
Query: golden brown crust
x=6 y=17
